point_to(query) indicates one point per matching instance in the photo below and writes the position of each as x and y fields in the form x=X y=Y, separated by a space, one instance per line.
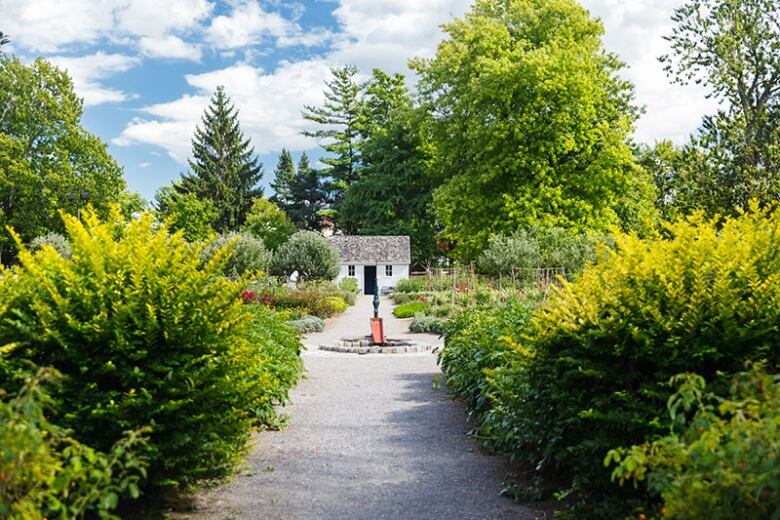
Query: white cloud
x=87 y=71
x=634 y=30
x=269 y=108
x=169 y=47
x=156 y=18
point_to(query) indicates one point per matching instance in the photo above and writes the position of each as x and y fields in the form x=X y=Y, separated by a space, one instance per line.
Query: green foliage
x=144 y=334
x=394 y=192
x=284 y=177
x=341 y=116
x=427 y=324
x=248 y=254
x=48 y=160
x=279 y=346
x=410 y=309
x=266 y=221
x=194 y=216
x=52 y=239
x=592 y=371
x=350 y=285
x=476 y=342
x=527 y=249
x=532 y=125
x=308 y=198
x=720 y=464
x=308 y=324
x=731 y=47
x=321 y=299
x=224 y=168
x=411 y=285
x=309 y=253
x=45 y=473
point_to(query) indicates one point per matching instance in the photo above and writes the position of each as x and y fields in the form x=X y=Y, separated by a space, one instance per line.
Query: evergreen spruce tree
x=308 y=197
x=341 y=117
x=284 y=176
x=224 y=167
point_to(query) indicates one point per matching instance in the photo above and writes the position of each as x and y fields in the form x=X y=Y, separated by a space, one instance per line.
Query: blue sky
x=146 y=68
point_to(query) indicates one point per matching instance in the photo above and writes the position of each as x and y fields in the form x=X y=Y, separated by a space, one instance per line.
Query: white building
x=382 y=260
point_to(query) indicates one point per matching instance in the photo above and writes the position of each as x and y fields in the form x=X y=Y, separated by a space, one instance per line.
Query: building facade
x=373 y=260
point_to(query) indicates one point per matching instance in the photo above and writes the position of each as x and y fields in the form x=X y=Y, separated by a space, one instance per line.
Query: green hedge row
x=589 y=372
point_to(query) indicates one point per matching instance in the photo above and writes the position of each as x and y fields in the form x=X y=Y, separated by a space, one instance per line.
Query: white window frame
x=351 y=271
x=388 y=270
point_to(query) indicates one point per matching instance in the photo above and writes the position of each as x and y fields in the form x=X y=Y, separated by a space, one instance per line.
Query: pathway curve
x=369 y=438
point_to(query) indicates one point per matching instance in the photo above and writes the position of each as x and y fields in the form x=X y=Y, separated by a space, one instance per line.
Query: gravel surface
x=369 y=438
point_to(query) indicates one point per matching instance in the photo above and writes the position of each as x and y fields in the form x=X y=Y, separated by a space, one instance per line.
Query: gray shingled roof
x=373 y=249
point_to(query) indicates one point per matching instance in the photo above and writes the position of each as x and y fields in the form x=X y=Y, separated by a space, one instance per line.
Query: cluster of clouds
x=368 y=33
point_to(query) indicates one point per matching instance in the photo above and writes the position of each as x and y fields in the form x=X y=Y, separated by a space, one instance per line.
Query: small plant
x=308 y=324
x=55 y=240
x=408 y=310
x=427 y=324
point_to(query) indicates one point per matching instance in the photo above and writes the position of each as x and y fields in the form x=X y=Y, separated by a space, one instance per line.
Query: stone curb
x=378 y=350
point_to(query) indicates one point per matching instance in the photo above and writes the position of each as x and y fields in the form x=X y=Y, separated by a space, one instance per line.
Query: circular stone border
x=364 y=345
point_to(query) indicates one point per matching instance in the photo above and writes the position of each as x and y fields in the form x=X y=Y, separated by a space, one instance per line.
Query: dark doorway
x=369 y=279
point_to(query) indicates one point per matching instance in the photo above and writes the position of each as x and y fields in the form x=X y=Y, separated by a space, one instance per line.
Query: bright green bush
x=408 y=310
x=335 y=304
x=280 y=347
x=350 y=285
x=724 y=463
x=144 y=334
x=308 y=324
x=592 y=371
x=412 y=285
x=309 y=253
x=45 y=473
x=247 y=253
x=55 y=240
x=476 y=341
x=427 y=324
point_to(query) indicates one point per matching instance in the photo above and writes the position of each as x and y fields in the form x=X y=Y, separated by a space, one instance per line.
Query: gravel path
x=369 y=438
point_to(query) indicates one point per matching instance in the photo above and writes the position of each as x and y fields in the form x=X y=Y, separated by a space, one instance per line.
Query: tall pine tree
x=284 y=175
x=224 y=167
x=341 y=119
x=308 y=197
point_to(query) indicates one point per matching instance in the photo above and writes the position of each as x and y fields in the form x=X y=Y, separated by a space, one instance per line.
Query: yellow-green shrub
x=144 y=335
x=45 y=473
x=705 y=298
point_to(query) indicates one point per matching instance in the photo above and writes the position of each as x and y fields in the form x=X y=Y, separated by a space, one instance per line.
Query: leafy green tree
x=224 y=167
x=284 y=176
x=309 y=197
x=48 y=160
x=531 y=124
x=732 y=47
x=340 y=116
x=187 y=212
x=394 y=193
x=269 y=223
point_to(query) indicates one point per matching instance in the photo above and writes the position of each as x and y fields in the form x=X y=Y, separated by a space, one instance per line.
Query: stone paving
x=370 y=437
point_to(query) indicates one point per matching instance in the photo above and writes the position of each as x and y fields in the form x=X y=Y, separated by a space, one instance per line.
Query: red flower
x=248 y=296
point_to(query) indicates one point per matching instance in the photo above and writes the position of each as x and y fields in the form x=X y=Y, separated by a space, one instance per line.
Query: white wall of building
x=400 y=272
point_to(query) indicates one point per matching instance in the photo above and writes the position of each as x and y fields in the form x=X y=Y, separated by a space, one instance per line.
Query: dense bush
x=427 y=324
x=412 y=285
x=309 y=253
x=723 y=463
x=278 y=344
x=408 y=310
x=144 y=334
x=247 y=253
x=308 y=324
x=55 y=240
x=592 y=372
x=45 y=473
x=476 y=341
x=269 y=223
x=519 y=254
